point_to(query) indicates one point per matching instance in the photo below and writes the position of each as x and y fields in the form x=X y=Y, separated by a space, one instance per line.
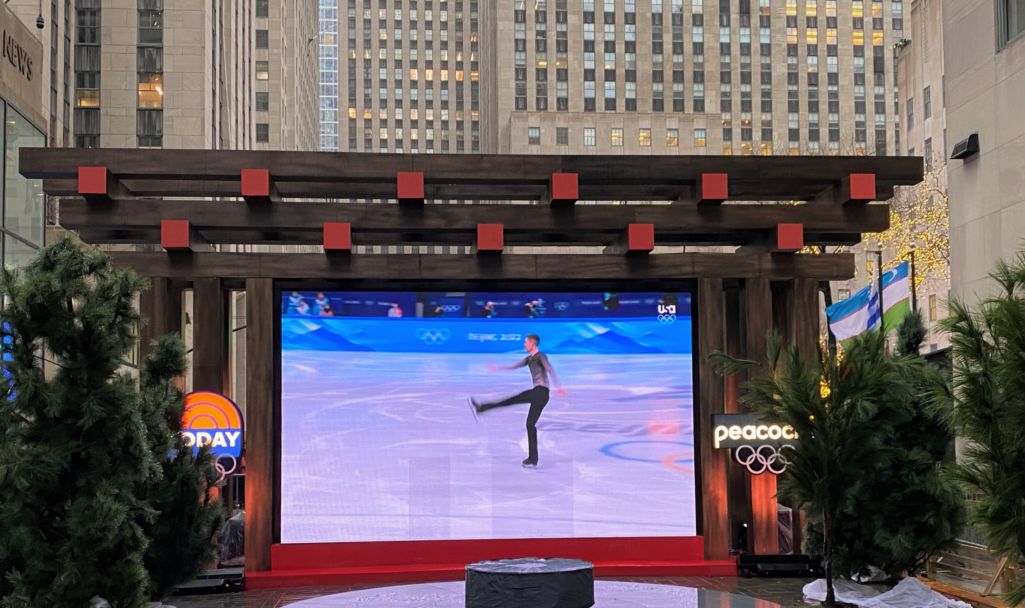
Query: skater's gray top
x=540 y=369
x=530 y=565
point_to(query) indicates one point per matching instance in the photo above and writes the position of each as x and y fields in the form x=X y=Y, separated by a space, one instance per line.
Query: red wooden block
x=337 y=237
x=92 y=181
x=490 y=237
x=410 y=186
x=564 y=187
x=715 y=188
x=789 y=237
x=175 y=235
x=861 y=187
x=640 y=237
x=256 y=183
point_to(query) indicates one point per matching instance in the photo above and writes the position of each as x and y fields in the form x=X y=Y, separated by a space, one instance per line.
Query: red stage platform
x=421 y=561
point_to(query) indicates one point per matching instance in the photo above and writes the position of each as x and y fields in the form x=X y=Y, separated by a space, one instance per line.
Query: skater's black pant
x=537 y=397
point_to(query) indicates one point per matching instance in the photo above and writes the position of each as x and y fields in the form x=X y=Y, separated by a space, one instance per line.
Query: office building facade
x=606 y=76
x=187 y=74
x=984 y=57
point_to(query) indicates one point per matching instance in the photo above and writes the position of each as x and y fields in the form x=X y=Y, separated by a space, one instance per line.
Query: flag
x=855 y=315
x=896 y=294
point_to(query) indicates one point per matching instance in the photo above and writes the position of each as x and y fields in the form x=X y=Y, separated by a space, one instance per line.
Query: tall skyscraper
x=187 y=74
x=408 y=75
x=606 y=76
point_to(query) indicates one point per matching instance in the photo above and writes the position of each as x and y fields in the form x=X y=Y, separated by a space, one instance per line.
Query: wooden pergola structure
x=185 y=203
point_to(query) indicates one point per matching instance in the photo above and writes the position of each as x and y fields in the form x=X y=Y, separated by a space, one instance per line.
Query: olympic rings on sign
x=561 y=306
x=451 y=308
x=226 y=469
x=433 y=336
x=667 y=319
x=761 y=459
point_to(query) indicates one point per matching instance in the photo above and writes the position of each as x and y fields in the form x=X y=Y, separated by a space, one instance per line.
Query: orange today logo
x=212 y=419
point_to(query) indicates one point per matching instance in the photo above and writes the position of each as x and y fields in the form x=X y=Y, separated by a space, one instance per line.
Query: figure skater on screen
x=537 y=396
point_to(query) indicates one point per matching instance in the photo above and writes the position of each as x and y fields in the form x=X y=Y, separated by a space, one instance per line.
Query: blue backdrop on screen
x=379 y=442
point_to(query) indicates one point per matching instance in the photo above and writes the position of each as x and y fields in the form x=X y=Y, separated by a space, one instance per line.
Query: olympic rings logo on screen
x=561 y=306
x=451 y=308
x=433 y=336
x=762 y=459
x=666 y=319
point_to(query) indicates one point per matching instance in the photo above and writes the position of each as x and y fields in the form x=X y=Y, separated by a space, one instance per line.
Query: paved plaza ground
x=783 y=591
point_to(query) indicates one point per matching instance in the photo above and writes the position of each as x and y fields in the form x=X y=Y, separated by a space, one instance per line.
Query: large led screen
x=408 y=416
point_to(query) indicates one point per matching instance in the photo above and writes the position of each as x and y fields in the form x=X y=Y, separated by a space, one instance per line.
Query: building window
x=149 y=66
x=933 y=307
x=1010 y=20
x=928 y=154
x=926 y=104
x=262 y=8
x=263 y=70
x=262 y=132
x=644 y=138
x=87 y=98
x=562 y=136
x=23 y=198
x=151 y=23
x=699 y=138
x=149 y=127
x=151 y=91
x=589 y=137
x=672 y=138
x=534 y=136
x=262 y=39
x=262 y=102
x=911 y=114
x=88 y=27
x=617 y=137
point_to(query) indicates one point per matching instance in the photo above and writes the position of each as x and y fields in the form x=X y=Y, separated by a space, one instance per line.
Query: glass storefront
x=24 y=210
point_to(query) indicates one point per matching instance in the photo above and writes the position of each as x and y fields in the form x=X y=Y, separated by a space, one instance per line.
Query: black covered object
x=530 y=583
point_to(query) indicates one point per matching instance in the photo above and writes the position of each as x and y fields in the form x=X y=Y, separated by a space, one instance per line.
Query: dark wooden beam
x=260 y=451
x=740 y=190
x=478 y=176
x=138 y=221
x=398 y=267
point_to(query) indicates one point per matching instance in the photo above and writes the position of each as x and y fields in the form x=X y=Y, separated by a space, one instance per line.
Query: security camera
x=40 y=22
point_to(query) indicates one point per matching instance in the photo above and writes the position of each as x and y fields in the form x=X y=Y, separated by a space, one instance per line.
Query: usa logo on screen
x=214 y=420
x=667 y=313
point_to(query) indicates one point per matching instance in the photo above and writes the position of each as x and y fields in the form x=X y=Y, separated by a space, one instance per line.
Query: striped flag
x=855 y=315
x=896 y=294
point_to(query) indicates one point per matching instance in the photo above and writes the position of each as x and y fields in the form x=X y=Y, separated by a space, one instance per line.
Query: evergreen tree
x=188 y=513
x=986 y=402
x=832 y=403
x=74 y=447
x=905 y=510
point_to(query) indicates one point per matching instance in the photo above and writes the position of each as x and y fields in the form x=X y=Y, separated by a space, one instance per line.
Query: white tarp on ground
x=909 y=593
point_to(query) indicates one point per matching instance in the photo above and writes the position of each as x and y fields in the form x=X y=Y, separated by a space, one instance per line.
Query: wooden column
x=714 y=511
x=260 y=456
x=738 y=490
x=803 y=331
x=757 y=323
x=804 y=318
x=210 y=336
x=161 y=309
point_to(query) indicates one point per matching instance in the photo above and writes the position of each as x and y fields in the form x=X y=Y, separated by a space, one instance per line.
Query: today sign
x=214 y=420
x=737 y=430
